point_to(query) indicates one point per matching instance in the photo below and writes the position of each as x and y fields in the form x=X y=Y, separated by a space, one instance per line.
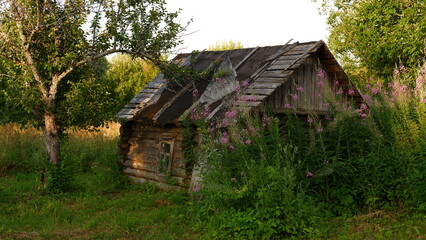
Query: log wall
x=140 y=154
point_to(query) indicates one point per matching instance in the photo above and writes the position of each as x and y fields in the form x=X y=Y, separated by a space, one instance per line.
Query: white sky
x=251 y=22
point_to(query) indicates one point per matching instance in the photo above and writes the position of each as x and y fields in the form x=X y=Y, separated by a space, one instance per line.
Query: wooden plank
x=248 y=98
x=259 y=91
x=279 y=67
x=265 y=85
x=265 y=80
x=288 y=57
x=148 y=90
x=155 y=85
x=273 y=74
x=246 y=104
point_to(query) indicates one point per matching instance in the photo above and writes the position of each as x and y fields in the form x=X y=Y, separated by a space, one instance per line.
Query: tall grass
x=102 y=203
x=267 y=181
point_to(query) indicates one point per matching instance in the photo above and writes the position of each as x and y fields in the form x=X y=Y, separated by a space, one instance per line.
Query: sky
x=251 y=22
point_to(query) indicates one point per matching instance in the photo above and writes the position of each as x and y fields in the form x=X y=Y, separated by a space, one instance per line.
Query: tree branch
x=27 y=53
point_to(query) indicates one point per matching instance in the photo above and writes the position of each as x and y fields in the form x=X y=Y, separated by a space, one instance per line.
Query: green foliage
x=250 y=184
x=225 y=45
x=371 y=37
x=128 y=76
x=52 y=58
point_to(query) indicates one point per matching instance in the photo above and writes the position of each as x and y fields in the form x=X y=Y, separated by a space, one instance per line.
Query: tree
x=371 y=37
x=225 y=45
x=49 y=44
x=128 y=76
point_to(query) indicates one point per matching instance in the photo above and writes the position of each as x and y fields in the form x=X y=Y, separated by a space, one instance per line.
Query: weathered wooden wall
x=140 y=154
x=312 y=98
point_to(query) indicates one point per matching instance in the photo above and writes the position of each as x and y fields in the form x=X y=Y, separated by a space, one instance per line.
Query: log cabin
x=151 y=133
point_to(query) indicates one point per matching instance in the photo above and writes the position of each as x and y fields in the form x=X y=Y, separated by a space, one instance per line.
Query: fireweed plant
x=270 y=177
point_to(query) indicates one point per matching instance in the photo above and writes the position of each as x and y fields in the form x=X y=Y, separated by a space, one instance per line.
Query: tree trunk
x=51 y=138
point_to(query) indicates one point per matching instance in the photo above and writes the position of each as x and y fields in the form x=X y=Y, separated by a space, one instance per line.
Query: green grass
x=379 y=225
x=105 y=205
x=134 y=212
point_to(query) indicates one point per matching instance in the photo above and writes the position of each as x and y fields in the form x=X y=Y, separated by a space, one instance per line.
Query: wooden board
x=265 y=85
x=273 y=74
x=256 y=97
x=259 y=91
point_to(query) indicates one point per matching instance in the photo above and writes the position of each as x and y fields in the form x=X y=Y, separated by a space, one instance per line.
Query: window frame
x=161 y=168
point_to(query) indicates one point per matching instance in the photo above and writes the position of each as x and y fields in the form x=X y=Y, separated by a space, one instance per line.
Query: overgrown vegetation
x=272 y=181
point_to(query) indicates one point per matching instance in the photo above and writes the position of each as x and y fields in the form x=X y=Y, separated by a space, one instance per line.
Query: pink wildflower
x=363 y=115
x=321 y=73
x=231 y=114
x=363 y=106
x=336 y=83
x=320 y=83
x=233 y=179
x=402 y=68
x=374 y=91
x=339 y=92
x=206 y=112
x=350 y=92
x=320 y=130
x=248 y=141
x=318 y=94
x=224 y=134
x=309 y=174
x=218 y=80
x=299 y=89
x=286 y=105
x=246 y=84
x=223 y=140
x=310 y=120
x=231 y=147
x=237 y=88
x=327 y=117
x=195 y=93
x=396 y=72
x=295 y=96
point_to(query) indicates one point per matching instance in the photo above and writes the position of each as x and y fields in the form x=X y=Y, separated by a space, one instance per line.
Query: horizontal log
x=172 y=180
x=149 y=167
x=179 y=172
x=160 y=185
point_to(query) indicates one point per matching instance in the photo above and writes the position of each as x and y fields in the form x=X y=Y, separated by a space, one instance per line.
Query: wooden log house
x=151 y=133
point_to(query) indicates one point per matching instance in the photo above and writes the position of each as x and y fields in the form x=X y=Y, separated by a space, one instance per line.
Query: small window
x=166 y=155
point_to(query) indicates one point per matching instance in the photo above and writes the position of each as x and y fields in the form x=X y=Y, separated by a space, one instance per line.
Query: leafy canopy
x=51 y=54
x=371 y=37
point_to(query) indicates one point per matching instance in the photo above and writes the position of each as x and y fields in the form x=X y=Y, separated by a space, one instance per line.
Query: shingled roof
x=265 y=68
